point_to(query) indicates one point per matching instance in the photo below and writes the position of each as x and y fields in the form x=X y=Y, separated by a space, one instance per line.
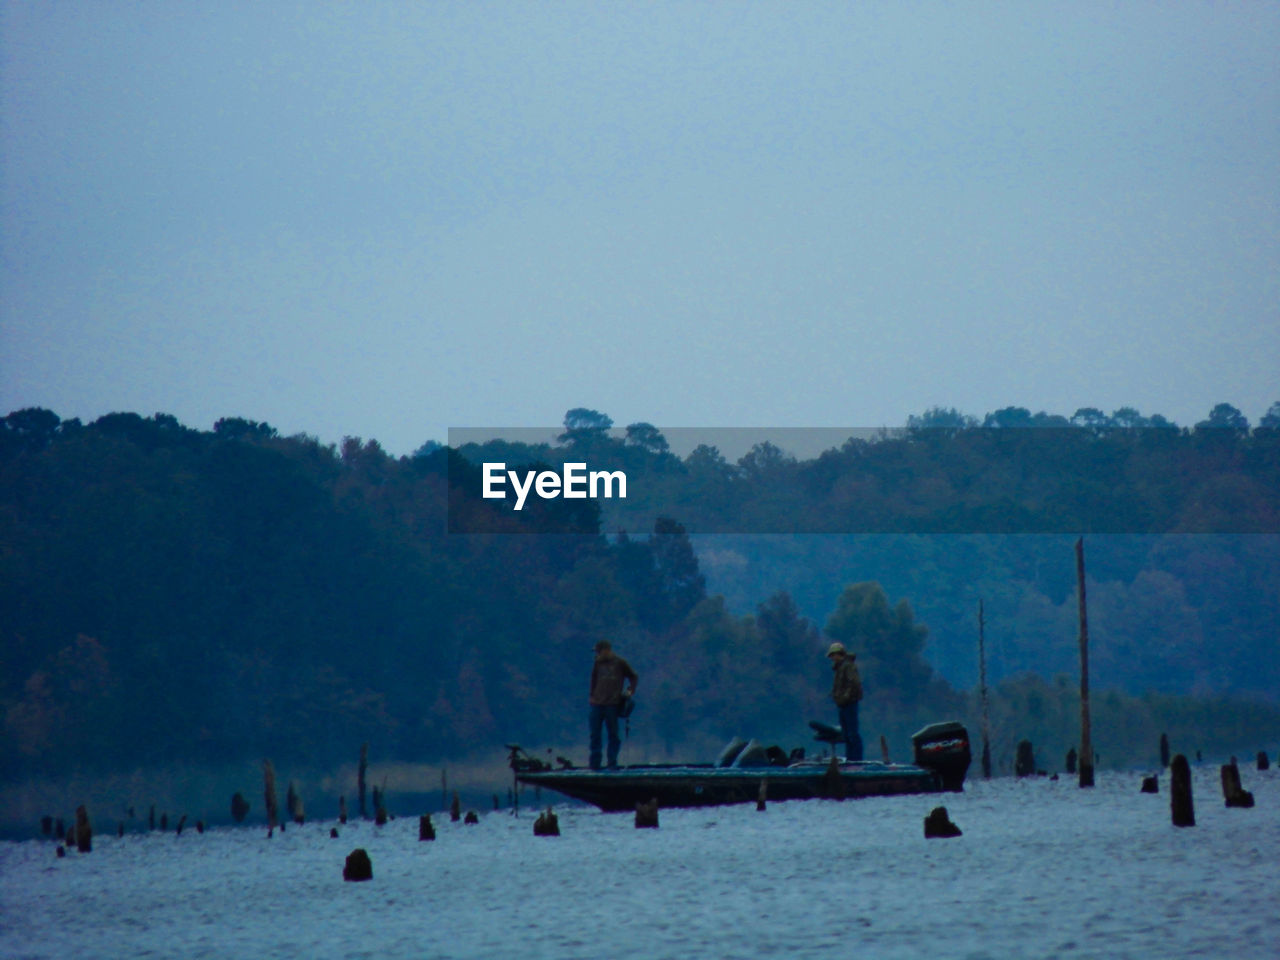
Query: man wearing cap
x=608 y=674
x=846 y=691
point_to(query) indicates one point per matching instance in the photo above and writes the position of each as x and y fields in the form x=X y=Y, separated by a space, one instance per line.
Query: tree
x=238 y=428
x=947 y=419
x=31 y=429
x=765 y=462
x=791 y=640
x=647 y=436
x=1225 y=417
x=581 y=423
x=681 y=580
x=1009 y=417
x=1090 y=418
x=1129 y=418
x=1271 y=419
x=887 y=640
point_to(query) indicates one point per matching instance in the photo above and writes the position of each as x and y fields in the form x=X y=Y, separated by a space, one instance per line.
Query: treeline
x=168 y=593
x=1013 y=472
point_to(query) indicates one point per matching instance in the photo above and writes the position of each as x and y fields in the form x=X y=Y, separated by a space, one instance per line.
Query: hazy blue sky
x=386 y=220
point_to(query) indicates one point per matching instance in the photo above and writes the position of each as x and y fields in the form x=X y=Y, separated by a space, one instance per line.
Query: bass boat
x=942 y=757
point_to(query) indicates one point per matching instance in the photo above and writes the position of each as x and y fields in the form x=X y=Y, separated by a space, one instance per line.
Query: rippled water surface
x=1044 y=869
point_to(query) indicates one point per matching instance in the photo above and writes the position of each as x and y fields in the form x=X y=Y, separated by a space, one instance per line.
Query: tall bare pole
x=982 y=679
x=1086 y=738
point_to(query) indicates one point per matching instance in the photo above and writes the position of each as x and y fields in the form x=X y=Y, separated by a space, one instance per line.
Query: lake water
x=1044 y=869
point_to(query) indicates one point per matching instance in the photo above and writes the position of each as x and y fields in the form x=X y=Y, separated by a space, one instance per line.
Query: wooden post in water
x=884 y=749
x=1180 y=805
x=1232 y=791
x=763 y=794
x=360 y=784
x=647 y=815
x=455 y=808
x=1024 y=763
x=982 y=684
x=84 y=832
x=269 y=794
x=293 y=803
x=342 y=808
x=1086 y=735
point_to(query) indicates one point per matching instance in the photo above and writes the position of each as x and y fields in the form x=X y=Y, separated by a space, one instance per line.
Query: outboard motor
x=944 y=749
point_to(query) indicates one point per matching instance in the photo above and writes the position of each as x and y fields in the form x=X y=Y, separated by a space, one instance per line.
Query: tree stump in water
x=342 y=809
x=426 y=830
x=293 y=802
x=84 y=831
x=358 y=866
x=938 y=824
x=472 y=817
x=269 y=793
x=1232 y=791
x=760 y=797
x=546 y=825
x=239 y=807
x=455 y=808
x=1181 y=807
x=333 y=833
x=1024 y=764
x=1263 y=762
x=1150 y=785
x=1071 y=760
x=647 y=814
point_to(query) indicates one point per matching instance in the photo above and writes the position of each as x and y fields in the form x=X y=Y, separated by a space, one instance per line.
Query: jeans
x=849 y=722
x=608 y=716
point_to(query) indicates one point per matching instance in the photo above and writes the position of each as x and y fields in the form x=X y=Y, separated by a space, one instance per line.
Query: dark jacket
x=607 y=677
x=846 y=685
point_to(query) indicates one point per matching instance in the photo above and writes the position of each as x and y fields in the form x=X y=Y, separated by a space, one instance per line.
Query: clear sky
x=385 y=220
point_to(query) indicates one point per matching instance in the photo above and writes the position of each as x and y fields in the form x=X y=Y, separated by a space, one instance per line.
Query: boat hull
x=706 y=786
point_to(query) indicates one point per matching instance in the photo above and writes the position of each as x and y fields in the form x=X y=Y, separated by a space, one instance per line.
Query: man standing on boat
x=608 y=675
x=846 y=691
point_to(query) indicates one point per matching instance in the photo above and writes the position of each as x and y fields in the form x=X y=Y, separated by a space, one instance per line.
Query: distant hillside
x=168 y=593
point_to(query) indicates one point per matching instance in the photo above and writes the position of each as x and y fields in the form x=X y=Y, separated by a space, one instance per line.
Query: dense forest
x=173 y=593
